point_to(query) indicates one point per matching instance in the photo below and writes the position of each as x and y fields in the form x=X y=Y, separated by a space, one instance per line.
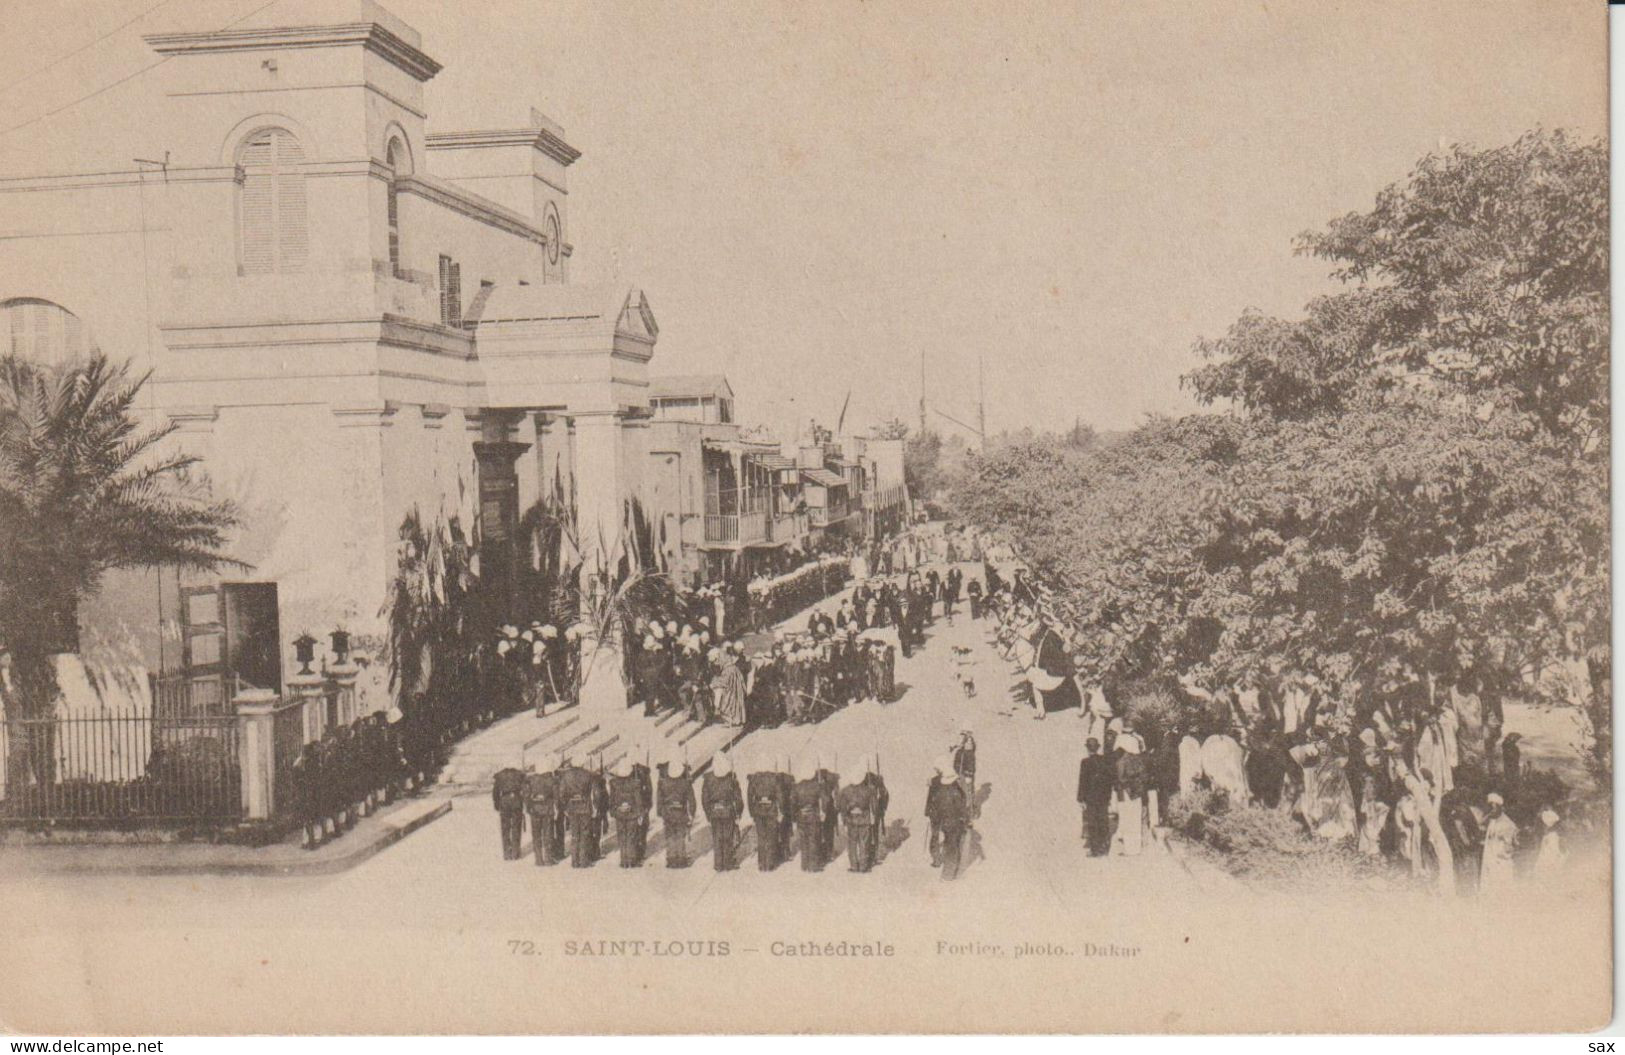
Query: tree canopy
x=1411 y=479
x=86 y=488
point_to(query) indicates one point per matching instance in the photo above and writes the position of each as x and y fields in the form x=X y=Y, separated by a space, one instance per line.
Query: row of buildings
x=349 y=314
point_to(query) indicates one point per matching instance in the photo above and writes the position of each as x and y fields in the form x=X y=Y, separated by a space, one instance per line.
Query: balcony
x=821 y=516
x=735 y=529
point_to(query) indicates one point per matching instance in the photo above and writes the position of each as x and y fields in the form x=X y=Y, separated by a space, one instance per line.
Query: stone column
x=600 y=510
x=310 y=690
x=256 y=751
x=345 y=676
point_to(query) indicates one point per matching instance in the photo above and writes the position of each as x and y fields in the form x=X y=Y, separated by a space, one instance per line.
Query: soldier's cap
x=855 y=774
x=945 y=767
x=806 y=768
x=622 y=766
x=720 y=764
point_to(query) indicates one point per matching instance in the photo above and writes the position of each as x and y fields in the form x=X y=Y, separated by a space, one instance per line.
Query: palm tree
x=85 y=488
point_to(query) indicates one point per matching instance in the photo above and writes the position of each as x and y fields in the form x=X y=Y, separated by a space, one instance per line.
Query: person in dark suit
x=1097 y=779
x=949 y=815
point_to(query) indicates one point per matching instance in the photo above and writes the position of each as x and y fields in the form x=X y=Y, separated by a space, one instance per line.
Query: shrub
x=1268 y=846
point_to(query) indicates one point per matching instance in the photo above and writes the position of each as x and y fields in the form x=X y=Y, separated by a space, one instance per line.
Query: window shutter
x=455 y=295
x=292 y=227
x=445 y=290
x=272 y=215
x=256 y=206
x=394 y=231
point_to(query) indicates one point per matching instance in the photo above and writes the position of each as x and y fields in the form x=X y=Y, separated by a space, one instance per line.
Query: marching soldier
x=575 y=788
x=508 y=796
x=629 y=805
x=675 y=800
x=809 y=805
x=723 y=804
x=542 y=804
x=882 y=799
x=832 y=817
x=769 y=808
x=859 y=810
x=949 y=814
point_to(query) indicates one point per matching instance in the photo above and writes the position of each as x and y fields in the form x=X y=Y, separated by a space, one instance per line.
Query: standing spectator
x=1096 y=779
x=949 y=814
x=1496 y=875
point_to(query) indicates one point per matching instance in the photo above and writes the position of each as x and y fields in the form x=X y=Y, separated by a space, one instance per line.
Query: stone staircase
x=592 y=737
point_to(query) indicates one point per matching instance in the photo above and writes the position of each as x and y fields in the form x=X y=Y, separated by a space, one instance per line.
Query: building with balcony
x=722 y=499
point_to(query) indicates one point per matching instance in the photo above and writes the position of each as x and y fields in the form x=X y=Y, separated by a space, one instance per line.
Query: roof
x=690 y=386
x=823 y=477
x=776 y=462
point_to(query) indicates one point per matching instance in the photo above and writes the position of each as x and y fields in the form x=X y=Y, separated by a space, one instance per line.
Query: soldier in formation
x=724 y=804
x=675 y=801
x=508 y=797
x=631 y=796
x=813 y=806
x=578 y=798
x=861 y=809
x=546 y=818
x=769 y=791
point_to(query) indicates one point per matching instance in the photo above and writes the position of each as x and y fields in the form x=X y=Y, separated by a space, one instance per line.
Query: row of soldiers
x=570 y=810
x=347 y=774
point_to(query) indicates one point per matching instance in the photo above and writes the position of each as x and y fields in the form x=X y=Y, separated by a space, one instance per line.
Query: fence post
x=256 y=750
x=345 y=676
x=311 y=692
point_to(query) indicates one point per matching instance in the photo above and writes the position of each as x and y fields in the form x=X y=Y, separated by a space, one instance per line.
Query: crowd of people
x=1393 y=773
x=352 y=770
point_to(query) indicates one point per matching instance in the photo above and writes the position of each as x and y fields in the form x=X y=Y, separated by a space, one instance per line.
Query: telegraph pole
x=981 y=402
x=922 y=392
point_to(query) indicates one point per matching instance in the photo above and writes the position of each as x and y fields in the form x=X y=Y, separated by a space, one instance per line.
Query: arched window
x=36 y=329
x=272 y=227
x=400 y=164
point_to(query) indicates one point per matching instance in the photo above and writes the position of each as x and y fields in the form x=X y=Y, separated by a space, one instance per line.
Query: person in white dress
x=1496 y=874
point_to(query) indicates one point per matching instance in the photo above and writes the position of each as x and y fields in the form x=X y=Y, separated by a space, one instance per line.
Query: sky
x=814 y=195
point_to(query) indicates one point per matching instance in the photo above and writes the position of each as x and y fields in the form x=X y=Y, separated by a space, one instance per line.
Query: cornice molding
x=545 y=140
x=370 y=35
x=472 y=206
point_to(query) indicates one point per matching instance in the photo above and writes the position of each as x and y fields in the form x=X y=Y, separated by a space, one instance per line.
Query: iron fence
x=120 y=768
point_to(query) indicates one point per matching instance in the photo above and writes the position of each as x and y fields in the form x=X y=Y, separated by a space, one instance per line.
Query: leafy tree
x=1485 y=274
x=1415 y=485
x=922 y=464
x=895 y=429
x=85 y=488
